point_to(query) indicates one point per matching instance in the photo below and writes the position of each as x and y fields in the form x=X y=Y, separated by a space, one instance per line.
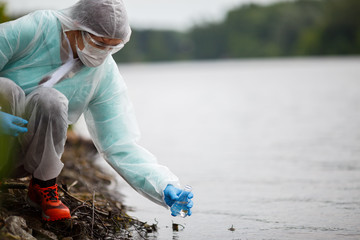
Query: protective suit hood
x=103 y=18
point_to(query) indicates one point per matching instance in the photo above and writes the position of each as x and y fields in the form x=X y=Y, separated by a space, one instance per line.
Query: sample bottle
x=179 y=207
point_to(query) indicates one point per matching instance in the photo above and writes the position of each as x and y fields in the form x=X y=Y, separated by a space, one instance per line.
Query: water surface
x=270 y=147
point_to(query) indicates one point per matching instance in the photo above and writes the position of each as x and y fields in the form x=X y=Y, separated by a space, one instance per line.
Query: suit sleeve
x=111 y=122
x=17 y=38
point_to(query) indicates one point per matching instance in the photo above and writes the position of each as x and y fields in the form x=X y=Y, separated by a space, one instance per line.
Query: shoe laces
x=51 y=193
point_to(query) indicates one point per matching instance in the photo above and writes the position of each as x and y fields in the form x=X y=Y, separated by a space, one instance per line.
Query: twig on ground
x=13 y=186
x=83 y=202
x=93 y=213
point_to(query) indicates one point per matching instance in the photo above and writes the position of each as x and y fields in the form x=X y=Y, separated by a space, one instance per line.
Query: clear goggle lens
x=101 y=45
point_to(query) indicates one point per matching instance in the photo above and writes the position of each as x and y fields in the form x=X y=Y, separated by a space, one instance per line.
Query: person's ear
x=79 y=39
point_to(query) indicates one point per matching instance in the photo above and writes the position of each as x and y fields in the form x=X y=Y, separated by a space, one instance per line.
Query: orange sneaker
x=47 y=199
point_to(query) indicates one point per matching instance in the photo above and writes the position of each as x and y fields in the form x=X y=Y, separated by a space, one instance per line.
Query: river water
x=270 y=147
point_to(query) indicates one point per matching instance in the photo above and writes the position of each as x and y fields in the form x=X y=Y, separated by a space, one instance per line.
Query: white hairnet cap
x=103 y=18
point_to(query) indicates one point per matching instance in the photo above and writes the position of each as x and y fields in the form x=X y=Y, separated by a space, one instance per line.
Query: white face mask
x=91 y=56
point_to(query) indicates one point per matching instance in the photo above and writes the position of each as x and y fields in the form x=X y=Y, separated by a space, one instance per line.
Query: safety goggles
x=111 y=48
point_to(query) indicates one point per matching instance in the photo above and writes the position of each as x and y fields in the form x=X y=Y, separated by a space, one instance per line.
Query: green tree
x=338 y=32
x=289 y=28
x=155 y=45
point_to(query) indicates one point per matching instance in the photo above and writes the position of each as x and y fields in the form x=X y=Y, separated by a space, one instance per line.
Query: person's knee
x=49 y=101
x=10 y=93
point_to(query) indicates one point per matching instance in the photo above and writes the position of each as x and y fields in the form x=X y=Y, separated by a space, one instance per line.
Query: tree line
x=287 y=28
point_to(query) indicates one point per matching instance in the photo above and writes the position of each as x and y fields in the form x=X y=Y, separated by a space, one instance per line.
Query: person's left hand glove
x=172 y=194
x=11 y=125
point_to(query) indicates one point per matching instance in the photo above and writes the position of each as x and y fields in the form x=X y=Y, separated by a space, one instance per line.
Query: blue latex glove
x=172 y=194
x=11 y=125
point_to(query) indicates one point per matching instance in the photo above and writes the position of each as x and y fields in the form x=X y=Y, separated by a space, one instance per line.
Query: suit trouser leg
x=12 y=101
x=46 y=110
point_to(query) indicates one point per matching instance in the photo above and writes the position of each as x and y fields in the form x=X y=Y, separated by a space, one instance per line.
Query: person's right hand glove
x=11 y=125
x=171 y=195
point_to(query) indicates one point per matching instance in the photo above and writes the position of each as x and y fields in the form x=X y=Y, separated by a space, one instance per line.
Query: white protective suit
x=35 y=46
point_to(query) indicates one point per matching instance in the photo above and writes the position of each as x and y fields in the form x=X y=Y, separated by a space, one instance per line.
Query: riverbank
x=97 y=212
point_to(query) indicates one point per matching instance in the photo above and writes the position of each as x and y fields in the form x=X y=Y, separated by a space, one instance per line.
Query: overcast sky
x=160 y=14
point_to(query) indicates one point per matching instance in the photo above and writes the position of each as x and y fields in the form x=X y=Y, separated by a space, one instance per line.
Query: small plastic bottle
x=179 y=207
